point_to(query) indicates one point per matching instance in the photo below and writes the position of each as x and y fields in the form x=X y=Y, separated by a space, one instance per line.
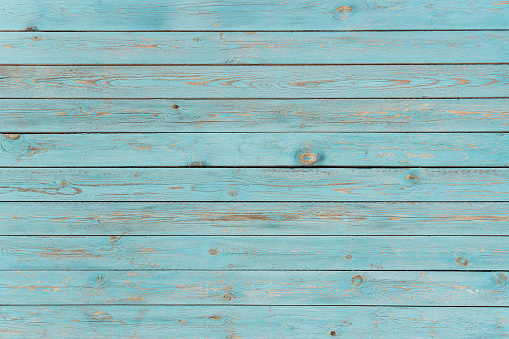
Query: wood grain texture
x=254 y=184
x=114 y=218
x=260 y=15
x=453 y=253
x=254 y=288
x=244 y=321
x=53 y=48
x=329 y=115
x=254 y=149
x=341 y=81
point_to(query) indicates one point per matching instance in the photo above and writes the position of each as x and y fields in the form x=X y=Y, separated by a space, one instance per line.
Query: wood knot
x=308 y=158
x=228 y=297
x=411 y=177
x=215 y=317
x=357 y=280
x=31 y=29
x=501 y=279
x=12 y=136
x=175 y=106
x=342 y=12
x=213 y=251
x=462 y=262
x=348 y=257
x=197 y=163
x=333 y=333
x=232 y=193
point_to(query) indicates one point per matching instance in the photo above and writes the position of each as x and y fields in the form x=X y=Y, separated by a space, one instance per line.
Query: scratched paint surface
x=201 y=169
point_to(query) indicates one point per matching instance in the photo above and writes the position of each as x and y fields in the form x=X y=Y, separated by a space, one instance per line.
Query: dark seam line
x=257 y=201
x=249 y=305
x=255 y=65
x=243 y=270
x=252 y=235
x=263 y=167
x=259 y=132
x=260 y=31
x=254 y=98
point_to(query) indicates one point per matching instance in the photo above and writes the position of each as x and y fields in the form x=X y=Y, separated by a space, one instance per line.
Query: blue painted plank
x=254 y=184
x=53 y=48
x=255 y=149
x=244 y=321
x=330 y=115
x=453 y=253
x=114 y=218
x=341 y=81
x=390 y=288
x=135 y=15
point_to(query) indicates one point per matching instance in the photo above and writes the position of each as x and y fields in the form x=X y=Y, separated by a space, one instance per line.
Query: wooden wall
x=233 y=169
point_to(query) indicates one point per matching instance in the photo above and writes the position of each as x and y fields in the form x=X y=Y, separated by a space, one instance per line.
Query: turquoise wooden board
x=240 y=321
x=54 y=48
x=301 y=115
x=295 y=288
x=305 y=15
x=340 y=81
x=132 y=218
x=254 y=184
x=255 y=149
x=453 y=253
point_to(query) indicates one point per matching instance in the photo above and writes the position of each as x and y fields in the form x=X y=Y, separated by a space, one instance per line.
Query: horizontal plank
x=255 y=149
x=453 y=253
x=53 y=48
x=340 y=81
x=242 y=321
x=260 y=15
x=317 y=115
x=254 y=288
x=254 y=184
x=114 y=218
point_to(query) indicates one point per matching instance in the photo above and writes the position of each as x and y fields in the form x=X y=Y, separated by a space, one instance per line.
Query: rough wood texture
x=255 y=253
x=254 y=184
x=329 y=115
x=306 y=15
x=242 y=322
x=341 y=81
x=253 y=47
x=391 y=288
x=254 y=149
x=114 y=218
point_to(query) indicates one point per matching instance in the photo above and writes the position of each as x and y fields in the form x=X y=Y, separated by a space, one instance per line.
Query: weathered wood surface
x=317 y=115
x=255 y=149
x=114 y=218
x=390 y=288
x=157 y=321
x=340 y=81
x=254 y=184
x=453 y=253
x=305 y=15
x=53 y=48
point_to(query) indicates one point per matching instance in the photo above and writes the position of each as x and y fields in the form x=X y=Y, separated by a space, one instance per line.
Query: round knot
x=12 y=136
x=228 y=297
x=357 y=280
x=333 y=333
x=342 y=12
x=461 y=261
x=175 y=106
x=213 y=251
x=232 y=193
x=411 y=177
x=501 y=279
x=308 y=158
x=348 y=257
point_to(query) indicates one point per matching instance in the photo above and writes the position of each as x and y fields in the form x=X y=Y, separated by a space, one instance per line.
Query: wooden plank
x=392 y=288
x=329 y=115
x=454 y=253
x=242 y=321
x=255 y=149
x=254 y=184
x=134 y=15
x=114 y=218
x=340 y=81
x=53 y=48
